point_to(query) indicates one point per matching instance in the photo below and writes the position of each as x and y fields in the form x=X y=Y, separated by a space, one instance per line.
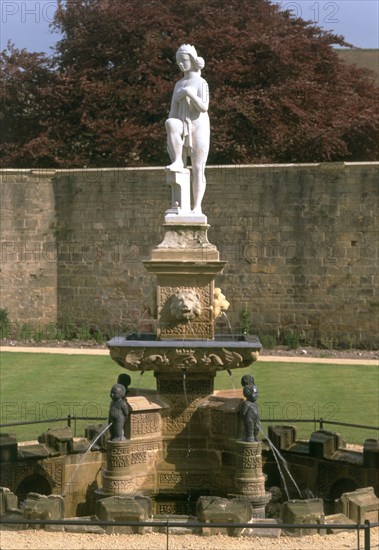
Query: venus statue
x=188 y=130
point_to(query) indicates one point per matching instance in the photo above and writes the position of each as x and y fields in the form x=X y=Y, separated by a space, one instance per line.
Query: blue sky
x=26 y=22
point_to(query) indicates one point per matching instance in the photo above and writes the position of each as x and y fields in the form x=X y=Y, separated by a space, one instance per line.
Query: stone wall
x=301 y=242
x=28 y=277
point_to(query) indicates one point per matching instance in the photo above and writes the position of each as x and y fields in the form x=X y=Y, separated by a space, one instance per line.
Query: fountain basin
x=145 y=352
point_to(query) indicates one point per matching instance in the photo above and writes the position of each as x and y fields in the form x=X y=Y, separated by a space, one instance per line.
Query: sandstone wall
x=301 y=242
x=28 y=277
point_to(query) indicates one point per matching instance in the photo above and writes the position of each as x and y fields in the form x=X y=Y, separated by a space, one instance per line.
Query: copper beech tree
x=279 y=91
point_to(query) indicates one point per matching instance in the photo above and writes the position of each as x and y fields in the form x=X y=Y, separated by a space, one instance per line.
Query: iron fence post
x=367 y=534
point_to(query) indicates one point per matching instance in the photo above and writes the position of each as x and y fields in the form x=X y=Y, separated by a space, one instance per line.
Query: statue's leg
x=118 y=434
x=174 y=128
x=200 y=149
x=256 y=432
x=198 y=181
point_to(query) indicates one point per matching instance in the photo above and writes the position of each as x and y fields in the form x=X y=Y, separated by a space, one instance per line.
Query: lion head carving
x=220 y=302
x=185 y=305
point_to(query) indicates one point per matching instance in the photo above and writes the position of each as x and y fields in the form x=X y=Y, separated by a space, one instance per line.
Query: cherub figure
x=274 y=507
x=118 y=412
x=125 y=380
x=250 y=411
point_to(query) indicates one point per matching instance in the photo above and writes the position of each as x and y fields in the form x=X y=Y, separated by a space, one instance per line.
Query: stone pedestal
x=180 y=193
x=249 y=478
x=303 y=511
x=359 y=505
x=131 y=463
x=124 y=508
x=180 y=210
x=185 y=264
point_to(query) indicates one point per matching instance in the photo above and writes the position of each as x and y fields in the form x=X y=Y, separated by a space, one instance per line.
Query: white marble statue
x=187 y=127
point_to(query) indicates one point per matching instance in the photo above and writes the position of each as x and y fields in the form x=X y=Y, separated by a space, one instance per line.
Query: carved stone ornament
x=168 y=357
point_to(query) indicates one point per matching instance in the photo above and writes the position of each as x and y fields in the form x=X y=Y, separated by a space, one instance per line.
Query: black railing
x=69 y=419
x=166 y=524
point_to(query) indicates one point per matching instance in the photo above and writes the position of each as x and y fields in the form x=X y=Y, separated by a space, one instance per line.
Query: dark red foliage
x=279 y=92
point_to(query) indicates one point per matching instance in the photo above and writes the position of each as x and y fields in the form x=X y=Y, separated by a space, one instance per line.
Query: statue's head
x=247 y=380
x=250 y=391
x=117 y=392
x=185 y=305
x=185 y=52
x=276 y=494
x=125 y=380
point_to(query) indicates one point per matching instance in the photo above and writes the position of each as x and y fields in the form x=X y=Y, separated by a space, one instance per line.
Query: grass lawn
x=39 y=386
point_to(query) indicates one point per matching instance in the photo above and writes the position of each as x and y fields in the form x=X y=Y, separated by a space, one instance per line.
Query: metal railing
x=167 y=524
x=69 y=419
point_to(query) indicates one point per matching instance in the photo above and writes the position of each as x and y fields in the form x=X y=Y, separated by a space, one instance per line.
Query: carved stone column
x=249 y=479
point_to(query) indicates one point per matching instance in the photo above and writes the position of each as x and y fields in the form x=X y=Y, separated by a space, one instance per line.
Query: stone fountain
x=184 y=446
x=184 y=440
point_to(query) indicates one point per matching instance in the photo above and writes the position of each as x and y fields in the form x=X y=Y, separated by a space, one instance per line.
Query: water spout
x=95 y=439
x=227 y=320
x=232 y=380
x=139 y=381
x=146 y=311
x=185 y=387
x=277 y=456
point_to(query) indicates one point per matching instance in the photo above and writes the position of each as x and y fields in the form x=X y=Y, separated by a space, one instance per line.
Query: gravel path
x=41 y=540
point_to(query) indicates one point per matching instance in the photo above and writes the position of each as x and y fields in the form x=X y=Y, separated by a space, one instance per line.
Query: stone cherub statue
x=118 y=412
x=274 y=507
x=250 y=411
x=188 y=129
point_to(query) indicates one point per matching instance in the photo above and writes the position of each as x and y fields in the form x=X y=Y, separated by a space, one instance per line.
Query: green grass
x=342 y=393
x=37 y=386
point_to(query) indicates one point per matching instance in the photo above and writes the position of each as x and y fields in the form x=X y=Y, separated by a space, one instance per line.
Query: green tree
x=279 y=92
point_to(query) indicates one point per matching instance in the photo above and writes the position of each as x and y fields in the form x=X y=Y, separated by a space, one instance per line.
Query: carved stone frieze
x=174 y=358
x=127 y=485
x=250 y=457
x=145 y=423
x=119 y=457
x=58 y=473
x=254 y=488
x=172 y=508
x=170 y=479
x=176 y=423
